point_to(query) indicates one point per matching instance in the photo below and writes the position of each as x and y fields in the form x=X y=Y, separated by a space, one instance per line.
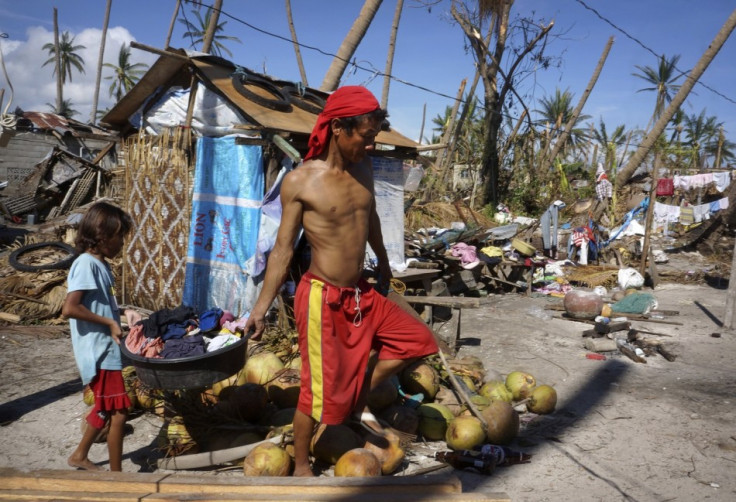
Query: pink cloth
x=137 y=343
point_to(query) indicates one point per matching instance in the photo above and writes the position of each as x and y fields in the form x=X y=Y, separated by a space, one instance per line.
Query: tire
x=309 y=101
x=280 y=102
x=61 y=264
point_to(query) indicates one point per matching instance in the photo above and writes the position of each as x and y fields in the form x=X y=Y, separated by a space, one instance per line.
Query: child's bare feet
x=83 y=463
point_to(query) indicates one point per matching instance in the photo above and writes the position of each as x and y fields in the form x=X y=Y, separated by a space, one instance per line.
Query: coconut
x=331 y=442
x=449 y=398
x=520 y=384
x=496 y=390
x=218 y=387
x=502 y=422
x=542 y=400
x=433 y=420
x=283 y=390
x=391 y=455
x=358 y=462
x=401 y=418
x=249 y=401
x=420 y=377
x=88 y=396
x=148 y=399
x=465 y=433
x=382 y=395
x=130 y=380
x=267 y=459
x=261 y=368
x=178 y=438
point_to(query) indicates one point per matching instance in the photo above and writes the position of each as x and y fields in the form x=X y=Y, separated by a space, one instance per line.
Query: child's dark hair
x=100 y=222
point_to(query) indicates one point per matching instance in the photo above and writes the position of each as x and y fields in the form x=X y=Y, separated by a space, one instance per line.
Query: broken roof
x=174 y=68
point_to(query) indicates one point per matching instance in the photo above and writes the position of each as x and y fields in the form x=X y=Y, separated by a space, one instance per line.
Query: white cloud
x=34 y=85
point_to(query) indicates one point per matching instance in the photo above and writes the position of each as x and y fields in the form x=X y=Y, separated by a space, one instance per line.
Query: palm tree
x=390 y=55
x=701 y=133
x=66 y=109
x=663 y=80
x=98 y=76
x=556 y=111
x=68 y=54
x=349 y=45
x=197 y=32
x=125 y=74
x=609 y=144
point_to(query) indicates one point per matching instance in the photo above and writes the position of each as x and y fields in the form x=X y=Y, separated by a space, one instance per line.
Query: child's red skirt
x=109 y=390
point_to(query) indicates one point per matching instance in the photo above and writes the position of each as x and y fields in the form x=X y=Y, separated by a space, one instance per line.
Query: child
x=94 y=319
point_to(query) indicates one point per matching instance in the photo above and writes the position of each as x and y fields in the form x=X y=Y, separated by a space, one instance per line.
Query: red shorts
x=109 y=390
x=338 y=328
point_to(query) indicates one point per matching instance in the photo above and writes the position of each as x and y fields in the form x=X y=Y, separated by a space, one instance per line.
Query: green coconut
x=420 y=377
x=520 y=384
x=496 y=390
x=542 y=400
x=465 y=433
x=267 y=459
x=433 y=420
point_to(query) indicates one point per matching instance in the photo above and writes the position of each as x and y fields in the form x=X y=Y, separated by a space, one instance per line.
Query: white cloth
x=722 y=180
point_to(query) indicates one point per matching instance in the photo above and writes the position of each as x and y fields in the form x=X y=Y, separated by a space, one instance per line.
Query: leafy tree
x=662 y=80
x=68 y=55
x=66 y=109
x=197 y=32
x=125 y=74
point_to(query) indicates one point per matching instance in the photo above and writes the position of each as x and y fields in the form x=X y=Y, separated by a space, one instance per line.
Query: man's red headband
x=347 y=101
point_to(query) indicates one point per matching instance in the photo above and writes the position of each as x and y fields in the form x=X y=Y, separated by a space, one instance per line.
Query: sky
x=430 y=58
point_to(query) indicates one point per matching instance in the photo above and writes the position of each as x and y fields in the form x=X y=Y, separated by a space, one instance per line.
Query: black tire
x=279 y=103
x=61 y=264
x=309 y=101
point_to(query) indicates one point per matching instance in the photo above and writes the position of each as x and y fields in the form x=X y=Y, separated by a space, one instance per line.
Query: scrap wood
x=591 y=275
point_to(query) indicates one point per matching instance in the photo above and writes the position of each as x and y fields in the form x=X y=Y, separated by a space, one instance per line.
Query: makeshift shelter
x=212 y=138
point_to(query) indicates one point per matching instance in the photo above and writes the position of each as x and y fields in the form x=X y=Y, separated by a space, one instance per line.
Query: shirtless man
x=339 y=316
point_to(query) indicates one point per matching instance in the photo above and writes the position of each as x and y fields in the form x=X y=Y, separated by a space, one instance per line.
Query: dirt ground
x=658 y=431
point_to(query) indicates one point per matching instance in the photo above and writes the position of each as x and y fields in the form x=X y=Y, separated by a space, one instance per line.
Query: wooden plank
x=455 y=302
x=34 y=495
x=336 y=497
x=407 y=486
x=82 y=481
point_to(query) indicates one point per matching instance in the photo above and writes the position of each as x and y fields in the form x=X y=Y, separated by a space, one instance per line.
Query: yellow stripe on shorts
x=314 y=342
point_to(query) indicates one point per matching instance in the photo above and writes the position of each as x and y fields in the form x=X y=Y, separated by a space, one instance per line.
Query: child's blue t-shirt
x=94 y=348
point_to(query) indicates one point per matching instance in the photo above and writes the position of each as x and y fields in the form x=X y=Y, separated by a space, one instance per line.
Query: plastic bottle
x=466 y=460
x=502 y=455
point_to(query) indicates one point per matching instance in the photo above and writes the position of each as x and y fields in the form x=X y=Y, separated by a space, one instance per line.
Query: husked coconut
x=358 y=462
x=502 y=421
x=391 y=455
x=261 y=368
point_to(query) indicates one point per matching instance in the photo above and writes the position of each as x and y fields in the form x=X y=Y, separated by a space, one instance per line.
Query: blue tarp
x=226 y=202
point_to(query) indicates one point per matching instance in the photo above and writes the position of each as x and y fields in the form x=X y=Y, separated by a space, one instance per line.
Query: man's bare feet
x=84 y=463
x=303 y=472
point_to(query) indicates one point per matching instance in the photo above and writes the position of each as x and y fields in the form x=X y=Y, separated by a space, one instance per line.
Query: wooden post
x=728 y=321
x=649 y=218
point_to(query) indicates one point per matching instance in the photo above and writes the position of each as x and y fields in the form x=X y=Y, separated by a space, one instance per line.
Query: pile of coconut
x=433 y=405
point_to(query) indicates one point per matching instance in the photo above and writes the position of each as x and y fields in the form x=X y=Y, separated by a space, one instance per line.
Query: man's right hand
x=257 y=324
